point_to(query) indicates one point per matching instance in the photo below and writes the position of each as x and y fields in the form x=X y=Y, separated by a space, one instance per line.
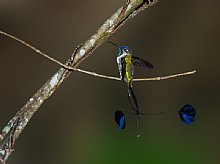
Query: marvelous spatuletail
x=126 y=62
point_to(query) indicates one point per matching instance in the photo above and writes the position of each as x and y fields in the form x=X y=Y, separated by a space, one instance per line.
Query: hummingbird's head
x=124 y=49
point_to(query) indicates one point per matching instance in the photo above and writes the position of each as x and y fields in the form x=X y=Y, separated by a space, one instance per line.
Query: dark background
x=76 y=124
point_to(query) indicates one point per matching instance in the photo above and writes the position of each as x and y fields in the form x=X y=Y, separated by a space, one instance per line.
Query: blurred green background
x=76 y=125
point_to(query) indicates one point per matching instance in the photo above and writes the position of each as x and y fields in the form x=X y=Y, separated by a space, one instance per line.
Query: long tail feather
x=158 y=113
x=133 y=102
x=138 y=125
x=132 y=99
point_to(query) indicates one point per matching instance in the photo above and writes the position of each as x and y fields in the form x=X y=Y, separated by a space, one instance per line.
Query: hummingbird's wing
x=141 y=63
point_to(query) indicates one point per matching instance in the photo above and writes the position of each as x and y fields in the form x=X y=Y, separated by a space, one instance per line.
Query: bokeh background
x=76 y=125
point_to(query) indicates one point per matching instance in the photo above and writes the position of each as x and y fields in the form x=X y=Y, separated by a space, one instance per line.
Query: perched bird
x=126 y=62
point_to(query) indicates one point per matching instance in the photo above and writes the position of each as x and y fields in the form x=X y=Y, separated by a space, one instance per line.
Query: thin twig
x=88 y=72
x=166 y=77
x=36 y=50
x=141 y=79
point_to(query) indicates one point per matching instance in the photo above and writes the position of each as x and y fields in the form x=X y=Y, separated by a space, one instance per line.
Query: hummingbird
x=126 y=62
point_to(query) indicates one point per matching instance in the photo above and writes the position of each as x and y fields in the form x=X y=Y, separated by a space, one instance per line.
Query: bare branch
x=89 y=72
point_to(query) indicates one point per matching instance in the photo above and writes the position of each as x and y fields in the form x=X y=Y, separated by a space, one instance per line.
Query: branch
x=39 y=52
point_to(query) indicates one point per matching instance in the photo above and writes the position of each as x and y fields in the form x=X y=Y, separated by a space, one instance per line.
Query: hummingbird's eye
x=126 y=50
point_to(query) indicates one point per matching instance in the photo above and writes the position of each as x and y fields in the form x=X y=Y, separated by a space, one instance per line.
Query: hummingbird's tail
x=138 y=125
x=134 y=105
x=132 y=99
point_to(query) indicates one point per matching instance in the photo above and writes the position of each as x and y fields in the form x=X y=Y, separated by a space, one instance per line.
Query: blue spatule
x=120 y=119
x=187 y=114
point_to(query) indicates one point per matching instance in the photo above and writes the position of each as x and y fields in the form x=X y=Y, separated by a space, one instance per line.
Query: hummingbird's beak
x=114 y=44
